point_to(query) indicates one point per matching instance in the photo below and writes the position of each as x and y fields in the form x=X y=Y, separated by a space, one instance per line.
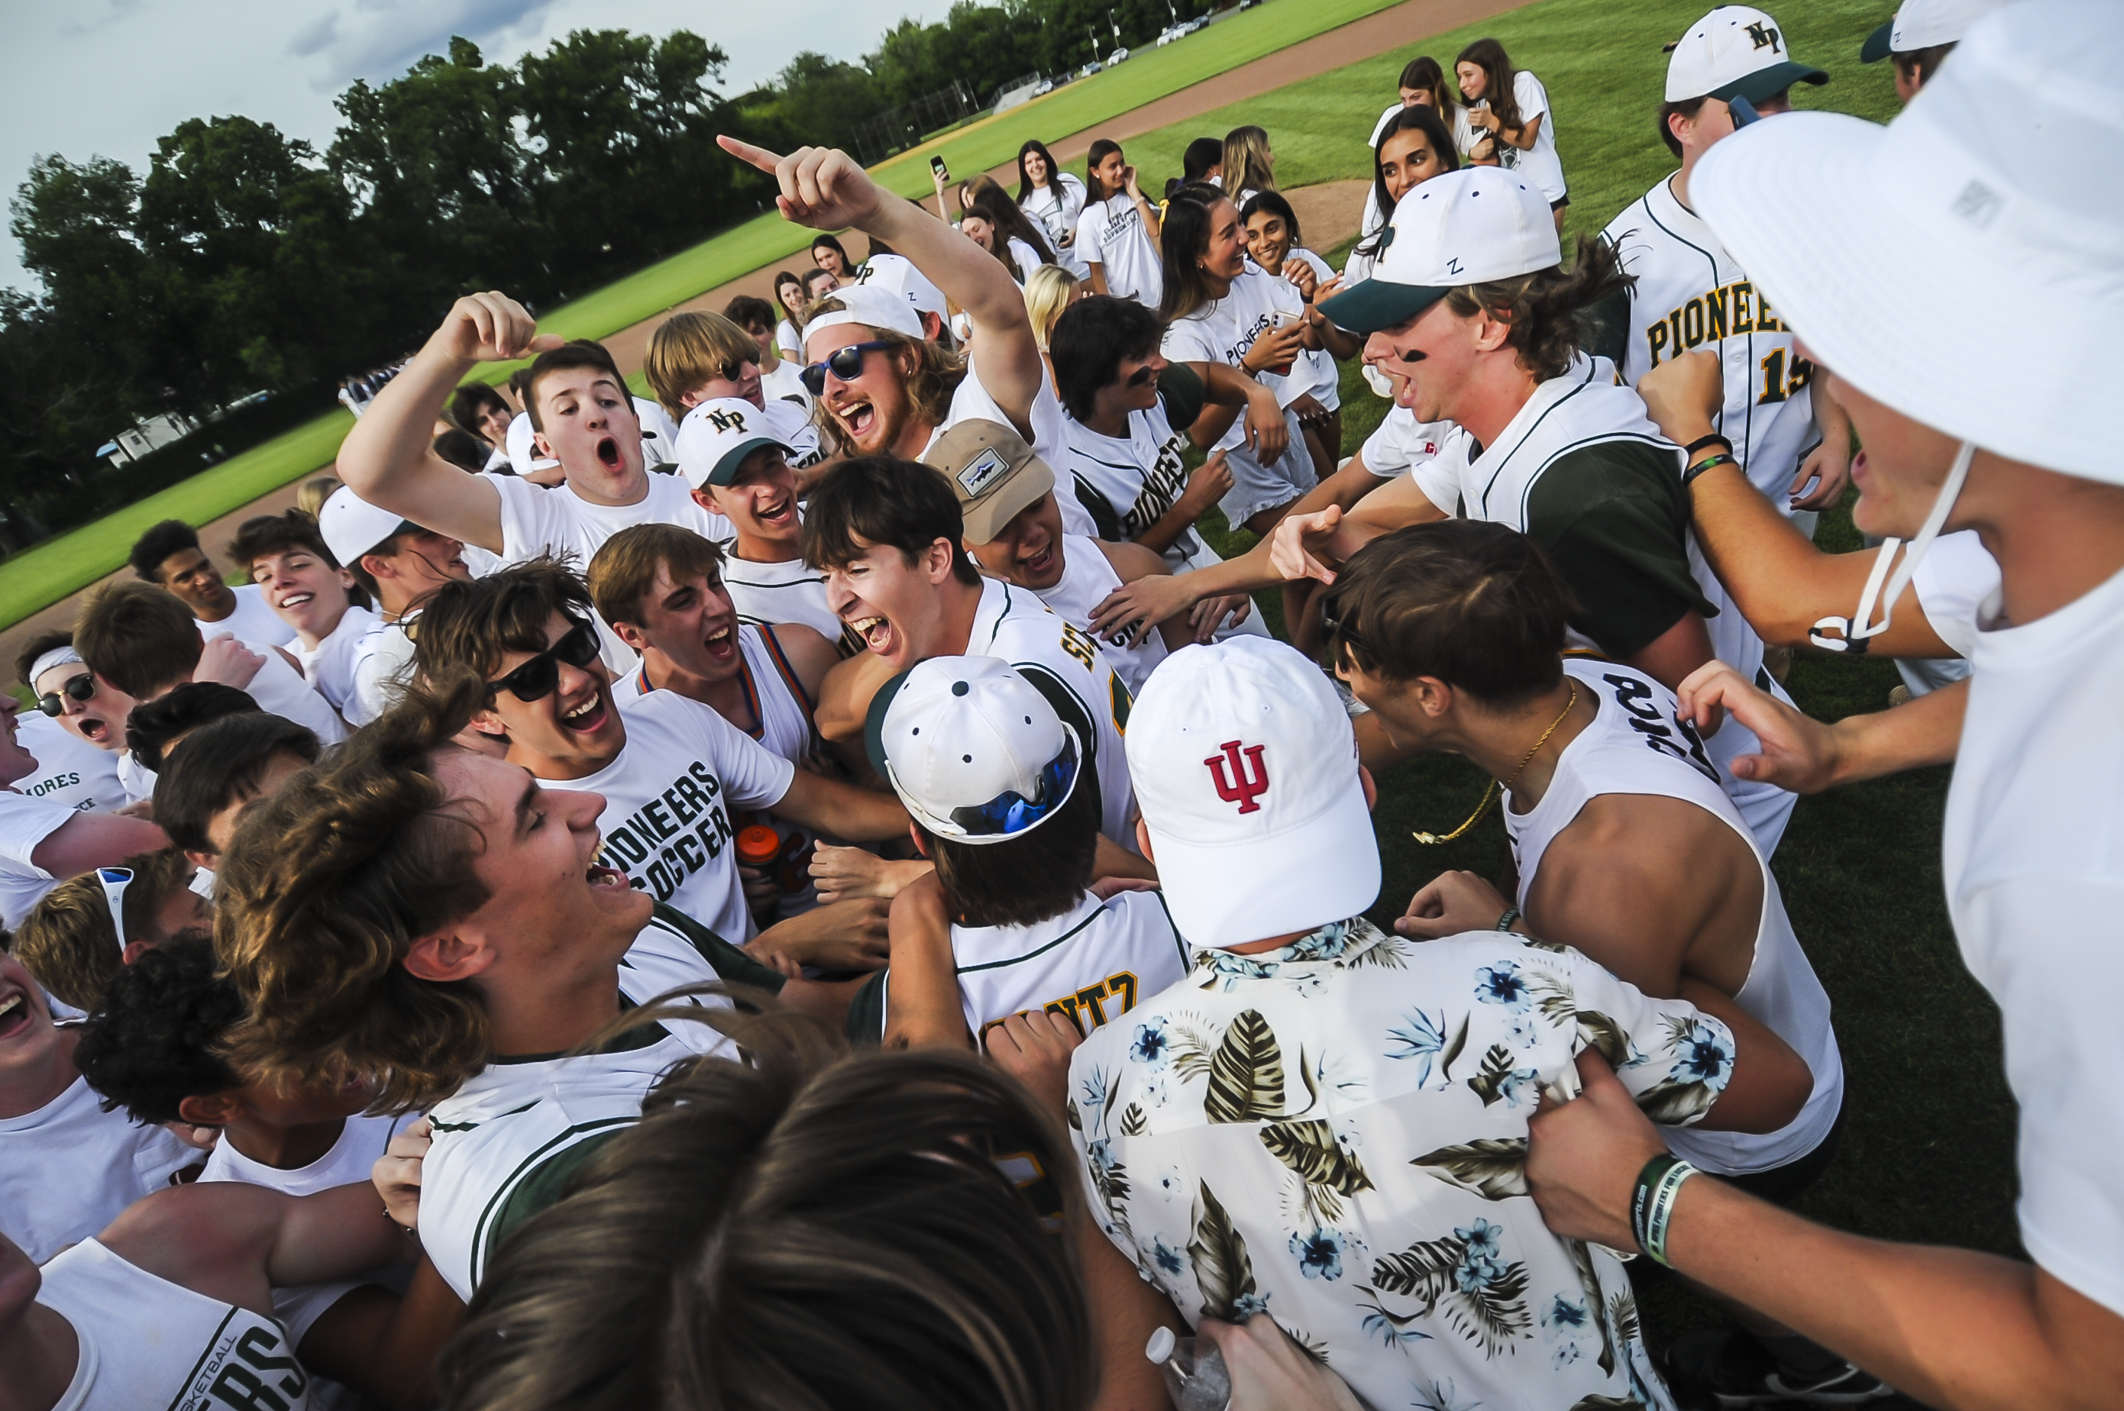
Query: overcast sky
x=108 y=77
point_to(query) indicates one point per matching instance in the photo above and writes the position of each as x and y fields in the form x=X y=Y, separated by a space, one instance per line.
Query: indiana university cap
x=715 y=438
x=1920 y=24
x=1245 y=767
x=870 y=306
x=972 y=748
x=1836 y=218
x=351 y=526
x=994 y=472
x=1460 y=227
x=1734 y=52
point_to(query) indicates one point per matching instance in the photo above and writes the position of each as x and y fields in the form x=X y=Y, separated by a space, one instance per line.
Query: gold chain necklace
x=1490 y=790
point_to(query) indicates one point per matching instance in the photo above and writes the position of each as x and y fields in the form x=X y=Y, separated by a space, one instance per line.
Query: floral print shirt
x=1334 y=1133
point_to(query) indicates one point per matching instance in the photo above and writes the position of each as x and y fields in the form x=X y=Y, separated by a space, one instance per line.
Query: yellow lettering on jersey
x=1765 y=321
x=1693 y=322
x=1656 y=339
x=1121 y=701
x=1715 y=313
x=1085 y=1008
x=1743 y=311
x=1709 y=318
x=1080 y=646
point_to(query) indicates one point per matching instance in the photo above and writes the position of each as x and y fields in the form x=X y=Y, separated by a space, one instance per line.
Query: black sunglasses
x=536 y=678
x=1339 y=630
x=81 y=688
x=1142 y=375
x=844 y=363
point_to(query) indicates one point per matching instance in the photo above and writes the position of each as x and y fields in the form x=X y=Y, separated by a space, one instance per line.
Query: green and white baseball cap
x=1920 y=24
x=1461 y=227
x=1964 y=264
x=1736 y=51
x=717 y=435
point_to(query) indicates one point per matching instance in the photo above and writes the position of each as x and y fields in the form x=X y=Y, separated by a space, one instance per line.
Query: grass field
x=50 y=571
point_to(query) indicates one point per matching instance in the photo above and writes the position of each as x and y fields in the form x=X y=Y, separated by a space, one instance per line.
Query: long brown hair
x=1428 y=74
x=1246 y=161
x=811 y=1229
x=1489 y=56
x=1183 y=237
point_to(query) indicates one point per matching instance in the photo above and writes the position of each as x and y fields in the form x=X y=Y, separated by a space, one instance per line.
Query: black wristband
x=1705 y=464
x=1648 y=1180
x=1714 y=439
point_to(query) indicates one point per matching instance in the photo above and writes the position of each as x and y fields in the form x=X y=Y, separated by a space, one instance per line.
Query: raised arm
x=90 y=840
x=388 y=458
x=1806 y=756
x=827 y=189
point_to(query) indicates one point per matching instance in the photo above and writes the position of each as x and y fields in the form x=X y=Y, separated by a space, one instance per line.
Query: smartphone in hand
x=936 y=164
x=1743 y=112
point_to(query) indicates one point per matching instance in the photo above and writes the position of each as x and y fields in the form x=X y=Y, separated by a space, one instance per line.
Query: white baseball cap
x=1920 y=24
x=717 y=435
x=973 y=749
x=1969 y=244
x=870 y=306
x=1245 y=767
x=897 y=274
x=1734 y=52
x=1460 y=227
x=351 y=526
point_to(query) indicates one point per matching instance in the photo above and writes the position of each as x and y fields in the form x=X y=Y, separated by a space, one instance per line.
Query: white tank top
x=146 y=1342
x=1087 y=577
x=1635 y=745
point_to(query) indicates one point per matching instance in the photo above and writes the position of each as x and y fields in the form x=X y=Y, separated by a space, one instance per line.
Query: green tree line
x=243 y=260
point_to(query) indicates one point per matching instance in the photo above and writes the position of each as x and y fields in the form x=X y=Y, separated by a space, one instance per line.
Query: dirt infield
x=1328 y=212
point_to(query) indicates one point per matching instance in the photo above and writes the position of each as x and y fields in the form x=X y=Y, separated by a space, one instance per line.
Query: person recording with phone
x=1117 y=236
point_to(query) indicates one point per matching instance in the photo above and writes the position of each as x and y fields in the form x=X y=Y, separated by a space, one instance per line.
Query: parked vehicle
x=1089 y=69
x=1117 y=57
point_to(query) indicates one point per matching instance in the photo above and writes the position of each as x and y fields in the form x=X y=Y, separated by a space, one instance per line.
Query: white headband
x=57 y=656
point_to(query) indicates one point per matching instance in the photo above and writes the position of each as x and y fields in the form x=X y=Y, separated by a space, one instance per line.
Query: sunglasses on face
x=1011 y=812
x=1141 y=375
x=81 y=688
x=844 y=363
x=536 y=678
x=1339 y=630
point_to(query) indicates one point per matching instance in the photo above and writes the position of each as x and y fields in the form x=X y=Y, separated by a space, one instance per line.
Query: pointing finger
x=745 y=152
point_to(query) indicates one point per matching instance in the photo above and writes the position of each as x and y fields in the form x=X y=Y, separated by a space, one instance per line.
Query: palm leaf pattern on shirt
x=1555 y=998
x=1608 y=1403
x=1604 y=1036
x=1479 y=1293
x=1329 y=1170
x=1492 y=1167
x=1246 y=1072
x=1489 y=1079
x=1589 y=1279
x=1223 y=1272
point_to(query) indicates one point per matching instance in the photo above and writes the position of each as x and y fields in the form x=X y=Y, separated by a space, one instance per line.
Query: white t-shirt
x=668 y=798
x=70 y=770
x=146 y=1342
x=1538 y=163
x=382 y=668
x=1057 y=206
x=348 y=1163
x=1316 y=371
x=659 y=433
x=336 y=664
x=787 y=341
x=1137 y=480
x=1025 y=257
x=69 y=1168
x=971 y=401
x=2033 y=861
x=1954 y=581
x=522 y=451
x=1111 y=233
x=24 y=823
x=786 y=382
x=281 y=690
x=791 y=424
x=493 y=1134
x=1223 y=331
x=1093 y=962
x=1432 y=451
x=252 y=619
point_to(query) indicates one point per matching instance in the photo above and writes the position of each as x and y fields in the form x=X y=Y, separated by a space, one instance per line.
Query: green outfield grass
x=50 y=571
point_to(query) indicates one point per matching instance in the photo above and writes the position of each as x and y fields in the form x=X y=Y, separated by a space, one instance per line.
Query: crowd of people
x=818 y=888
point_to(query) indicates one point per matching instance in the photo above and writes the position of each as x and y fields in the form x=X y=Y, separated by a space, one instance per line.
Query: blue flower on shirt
x=1563 y=1321
x=1483 y=1238
x=1481 y=1262
x=1327 y=943
x=1705 y=1056
x=1503 y=984
x=1102 y=1153
x=1246 y=1305
x=1521 y=1087
x=1151 y=1044
x=1231 y=969
x=1421 y=1038
x=1171 y=1260
x=1319 y=1254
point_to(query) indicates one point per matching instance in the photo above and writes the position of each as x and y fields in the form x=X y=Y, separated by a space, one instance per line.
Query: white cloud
x=108 y=77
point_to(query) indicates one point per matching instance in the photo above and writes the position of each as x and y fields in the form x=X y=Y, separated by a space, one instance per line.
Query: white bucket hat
x=1965 y=264
x=1245 y=767
x=1920 y=24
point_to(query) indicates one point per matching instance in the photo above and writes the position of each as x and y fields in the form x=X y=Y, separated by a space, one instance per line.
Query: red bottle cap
x=758 y=845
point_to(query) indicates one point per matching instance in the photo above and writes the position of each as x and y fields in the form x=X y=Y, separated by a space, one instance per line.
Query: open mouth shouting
x=605 y=879
x=858 y=416
x=608 y=453
x=721 y=643
x=780 y=513
x=94 y=729
x=589 y=716
x=876 y=632
x=18 y=1011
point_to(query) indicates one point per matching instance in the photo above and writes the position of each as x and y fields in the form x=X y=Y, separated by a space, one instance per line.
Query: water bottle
x=1195 y=1377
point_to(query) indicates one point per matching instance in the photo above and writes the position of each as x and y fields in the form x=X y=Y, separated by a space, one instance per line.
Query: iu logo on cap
x=1236 y=787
